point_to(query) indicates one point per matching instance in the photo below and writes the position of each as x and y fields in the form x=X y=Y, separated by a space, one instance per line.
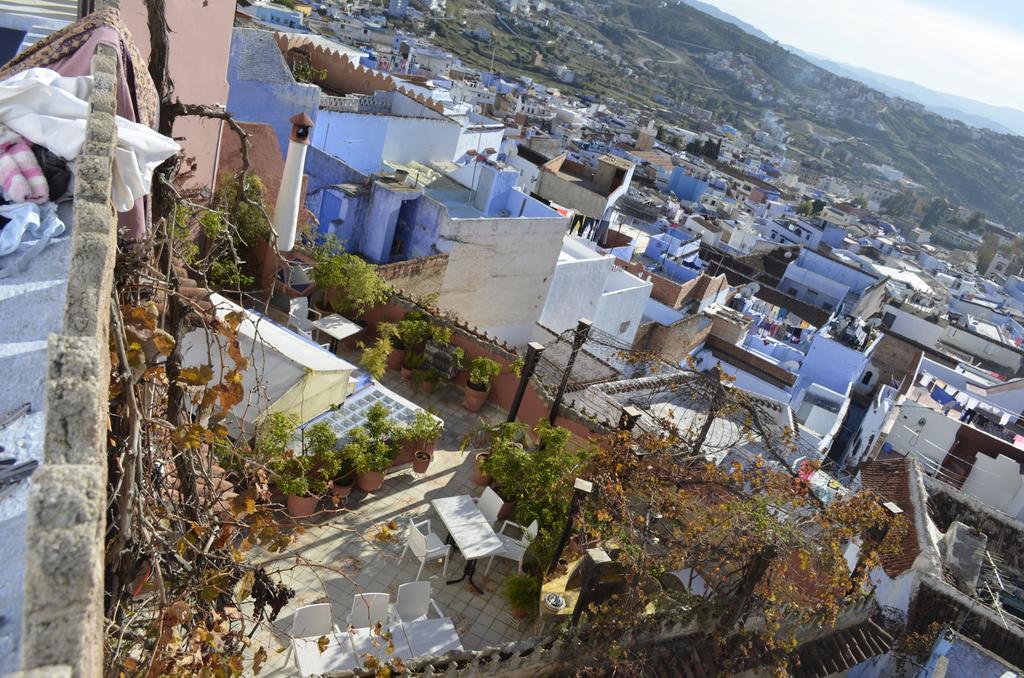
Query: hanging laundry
x=55 y=171
x=51 y=111
x=69 y=51
x=21 y=179
x=30 y=224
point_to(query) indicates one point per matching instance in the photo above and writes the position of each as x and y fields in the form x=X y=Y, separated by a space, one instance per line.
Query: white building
x=587 y=284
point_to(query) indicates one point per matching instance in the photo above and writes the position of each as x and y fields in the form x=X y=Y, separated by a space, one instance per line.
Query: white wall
x=499 y=271
x=830 y=364
x=997 y=482
x=931 y=440
x=917 y=329
x=478 y=139
x=421 y=140
x=660 y=313
x=744 y=380
x=356 y=139
x=982 y=348
x=622 y=306
x=576 y=289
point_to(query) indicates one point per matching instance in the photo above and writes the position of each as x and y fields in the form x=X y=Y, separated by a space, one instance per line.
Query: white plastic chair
x=368 y=609
x=511 y=548
x=425 y=546
x=312 y=620
x=490 y=504
x=298 y=315
x=413 y=602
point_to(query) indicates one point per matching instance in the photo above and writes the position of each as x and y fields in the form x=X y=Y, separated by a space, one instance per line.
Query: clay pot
x=421 y=461
x=370 y=481
x=404 y=455
x=475 y=398
x=406 y=373
x=395 y=358
x=342 y=489
x=479 y=477
x=302 y=507
x=506 y=510
x=519 y=614
x=427 y=386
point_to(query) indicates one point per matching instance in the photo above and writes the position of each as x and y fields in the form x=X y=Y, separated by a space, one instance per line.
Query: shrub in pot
x=412 y=363
x=420 y=437
x=351 y=285
x=372 y=448
x=376 y=359
x=522 y=591
x=482 y=371
x=345 y=476
x=304 y=477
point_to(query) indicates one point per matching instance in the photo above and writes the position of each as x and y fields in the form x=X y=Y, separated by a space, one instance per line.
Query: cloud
x=943 y=48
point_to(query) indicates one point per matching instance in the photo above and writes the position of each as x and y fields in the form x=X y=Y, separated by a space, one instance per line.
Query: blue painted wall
x=261 y=86
x=686 y=187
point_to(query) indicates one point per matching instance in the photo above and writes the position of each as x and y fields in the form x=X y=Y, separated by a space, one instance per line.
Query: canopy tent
x=287 y=372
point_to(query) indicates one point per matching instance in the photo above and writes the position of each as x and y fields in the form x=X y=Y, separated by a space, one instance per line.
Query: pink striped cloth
x=21 y=178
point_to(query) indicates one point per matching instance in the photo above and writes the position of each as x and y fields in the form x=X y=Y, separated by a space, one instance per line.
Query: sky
x=974 y=48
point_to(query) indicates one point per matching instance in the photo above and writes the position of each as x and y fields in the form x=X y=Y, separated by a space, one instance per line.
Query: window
x=867 y=378
x=792 y=291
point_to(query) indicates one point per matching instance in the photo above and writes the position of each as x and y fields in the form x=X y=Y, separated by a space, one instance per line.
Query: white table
x=469 y=530
x=431 y=637
x=365 y=642
x=338 y=655
x=337 y=327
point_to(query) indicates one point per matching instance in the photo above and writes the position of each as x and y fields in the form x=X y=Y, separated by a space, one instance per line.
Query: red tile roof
x=890 y=480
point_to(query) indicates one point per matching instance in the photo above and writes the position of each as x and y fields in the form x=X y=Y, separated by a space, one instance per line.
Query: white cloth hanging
x=51 y=110
x=30 y=224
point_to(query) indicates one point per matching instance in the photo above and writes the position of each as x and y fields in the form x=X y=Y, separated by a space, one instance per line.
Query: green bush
x=482 y=371
x=373 y=446
x=359 y=287
x=522 y=591
x=308 y=473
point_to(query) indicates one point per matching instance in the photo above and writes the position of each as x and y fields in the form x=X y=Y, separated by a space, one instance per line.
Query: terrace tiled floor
x=339 y=552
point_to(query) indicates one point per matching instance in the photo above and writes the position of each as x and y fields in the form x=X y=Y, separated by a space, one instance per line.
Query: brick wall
x=665 y=291
x=64 y=581
x=419 y=279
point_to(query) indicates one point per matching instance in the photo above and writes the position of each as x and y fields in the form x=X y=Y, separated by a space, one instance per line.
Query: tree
x=898 y=204
x=860 y=201
x=987 y=251
x=977 y=223
x=760 y=551
x=935 y=212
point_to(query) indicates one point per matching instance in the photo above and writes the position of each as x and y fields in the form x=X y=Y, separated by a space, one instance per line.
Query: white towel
x=51 y=110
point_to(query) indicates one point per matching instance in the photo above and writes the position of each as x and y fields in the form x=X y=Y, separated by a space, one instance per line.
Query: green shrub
x=522 y=591
x=482 y=371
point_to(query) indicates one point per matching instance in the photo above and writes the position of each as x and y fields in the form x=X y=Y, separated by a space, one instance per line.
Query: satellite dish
x=874 y=322
x=750 y=289
x=791 y=365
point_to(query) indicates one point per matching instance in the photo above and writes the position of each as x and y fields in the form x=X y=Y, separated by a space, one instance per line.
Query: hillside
x=856 y=124
x=690 y=57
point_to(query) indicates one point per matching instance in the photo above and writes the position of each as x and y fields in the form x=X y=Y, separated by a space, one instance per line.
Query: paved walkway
x=355 y=548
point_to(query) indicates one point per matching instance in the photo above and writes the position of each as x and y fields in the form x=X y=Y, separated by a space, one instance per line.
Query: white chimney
x=286 y=209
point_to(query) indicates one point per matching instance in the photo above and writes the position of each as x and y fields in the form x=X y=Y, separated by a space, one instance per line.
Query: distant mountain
x=728 y=18
x=1000 y=119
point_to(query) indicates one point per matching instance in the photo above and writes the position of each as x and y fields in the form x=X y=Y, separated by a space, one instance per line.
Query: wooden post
x=580 y=489
x=580 y=337
x=590 y=567
x=533 y=351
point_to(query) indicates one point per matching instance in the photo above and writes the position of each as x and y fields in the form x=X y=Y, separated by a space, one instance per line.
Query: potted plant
x=377 y=358
x=345 y=476
x=350 y=285
x=372 y=448
x=413 y=361
x=482 y=371
x=421 y=436
x=522 y=591
x=427 y=379
x=388 y=335
x=304 y=477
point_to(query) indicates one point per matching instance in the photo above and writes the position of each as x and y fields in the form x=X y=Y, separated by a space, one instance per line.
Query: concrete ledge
x=75 y=402
x=62 y=627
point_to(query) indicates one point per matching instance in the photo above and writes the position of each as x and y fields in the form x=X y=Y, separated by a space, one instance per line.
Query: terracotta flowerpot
x=427 y=386
x=475 y=398
x=406 y=373
x=302 y=507
x=519 y=614
x=404 y=456
x=506 y=510
x=370 y=481
x=395 y=358
x=479 y=477
x=342 y=490
x=421 y=461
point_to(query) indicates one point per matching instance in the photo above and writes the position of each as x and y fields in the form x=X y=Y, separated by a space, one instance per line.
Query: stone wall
x=418 y=279
x=64 y=582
